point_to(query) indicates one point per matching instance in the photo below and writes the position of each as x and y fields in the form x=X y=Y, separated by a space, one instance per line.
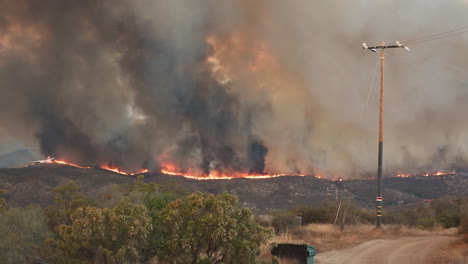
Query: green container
x=303 y=253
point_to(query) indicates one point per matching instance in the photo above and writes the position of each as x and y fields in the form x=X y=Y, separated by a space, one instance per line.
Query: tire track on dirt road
x=403 y=250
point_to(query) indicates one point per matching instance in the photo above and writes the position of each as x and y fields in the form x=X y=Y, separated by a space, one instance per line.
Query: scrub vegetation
x=164 y=223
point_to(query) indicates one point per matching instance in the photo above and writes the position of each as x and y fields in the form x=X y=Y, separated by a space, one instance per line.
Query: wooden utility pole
x=379 y=165
x=382 y=47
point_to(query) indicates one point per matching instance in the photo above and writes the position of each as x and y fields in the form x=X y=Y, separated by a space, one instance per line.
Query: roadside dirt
x=405 y=250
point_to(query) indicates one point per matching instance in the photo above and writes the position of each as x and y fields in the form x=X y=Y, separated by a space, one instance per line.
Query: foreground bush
x=109 y=235
x=426 y=223
x=22 y=230
x=449 y=219
x=284 y=221
x=203 y=228
x=139 y=222
x=68 y=198
x=311 y=215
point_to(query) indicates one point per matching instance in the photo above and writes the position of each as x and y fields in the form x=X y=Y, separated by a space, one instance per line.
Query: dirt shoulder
x=403 y=250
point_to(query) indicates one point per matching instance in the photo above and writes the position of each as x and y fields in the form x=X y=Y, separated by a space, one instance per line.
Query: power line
x=370 y=88
x=435 y=35
x=446 y=36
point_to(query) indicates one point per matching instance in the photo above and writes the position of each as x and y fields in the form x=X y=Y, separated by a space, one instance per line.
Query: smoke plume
x=234 y=86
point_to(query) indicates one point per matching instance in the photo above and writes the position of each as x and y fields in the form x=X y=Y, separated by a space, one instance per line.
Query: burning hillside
x=171 y=170
x=168 y=170
x=437 y=173
x=50 y=160
x=34 y=185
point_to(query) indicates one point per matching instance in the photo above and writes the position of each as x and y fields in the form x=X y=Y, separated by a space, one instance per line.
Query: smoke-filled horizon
x=234 y=86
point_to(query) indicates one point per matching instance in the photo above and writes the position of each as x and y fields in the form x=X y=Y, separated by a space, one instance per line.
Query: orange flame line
x=437 y=173
x=116 y=170
x=69 y=164
x=212 y=176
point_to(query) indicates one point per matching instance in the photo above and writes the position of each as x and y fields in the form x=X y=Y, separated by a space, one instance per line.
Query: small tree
x=22 y=232
x=203 y=228
x=449 y=219
x=285 y=220
x=68 y=198
x=312 y=214
x=109 y=235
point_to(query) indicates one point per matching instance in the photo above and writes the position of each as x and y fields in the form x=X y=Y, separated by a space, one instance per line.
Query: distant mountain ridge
x=17 y=158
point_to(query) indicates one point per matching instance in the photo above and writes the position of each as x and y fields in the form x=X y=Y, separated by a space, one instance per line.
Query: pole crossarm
x=383 y=46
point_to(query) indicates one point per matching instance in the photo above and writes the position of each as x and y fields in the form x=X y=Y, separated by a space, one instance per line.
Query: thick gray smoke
x=233 y=86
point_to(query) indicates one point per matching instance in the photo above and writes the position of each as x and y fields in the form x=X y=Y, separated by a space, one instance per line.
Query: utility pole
x=382 y=48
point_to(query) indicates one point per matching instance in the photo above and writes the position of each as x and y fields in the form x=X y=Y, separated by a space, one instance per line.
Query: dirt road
x=406 y=250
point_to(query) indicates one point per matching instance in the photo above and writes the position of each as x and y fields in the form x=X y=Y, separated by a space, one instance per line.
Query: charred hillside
x=34 y=184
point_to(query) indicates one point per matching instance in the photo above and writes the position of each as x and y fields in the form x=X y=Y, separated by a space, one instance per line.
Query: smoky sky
x=283 y=87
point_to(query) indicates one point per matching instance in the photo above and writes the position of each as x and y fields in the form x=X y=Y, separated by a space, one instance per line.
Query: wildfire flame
x=255 y=55
x=215 y=176
x=119 y=171
x=437 y=173
x=69 y=164
x=171 y=170
x=50 y=160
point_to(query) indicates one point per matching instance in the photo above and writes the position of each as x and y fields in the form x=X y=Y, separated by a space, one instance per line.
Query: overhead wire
x=370 y=88
x=441 y=35
x=432 y=37
x=445 y=36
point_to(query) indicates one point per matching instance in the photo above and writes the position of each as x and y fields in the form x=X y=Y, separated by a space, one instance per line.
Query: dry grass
x=407 y=231
x=327 y=237
x=454 y=253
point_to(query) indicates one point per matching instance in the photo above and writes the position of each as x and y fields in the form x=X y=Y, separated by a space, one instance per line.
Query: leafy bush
x=22 y=230
x=109 y=235
x=283 y=221
x=203 y=228
x=449 y=219
x=426 y=223
x=68 y=198
x=312 y=215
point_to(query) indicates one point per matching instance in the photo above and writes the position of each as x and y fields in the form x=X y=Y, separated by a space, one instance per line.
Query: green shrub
x=312 y=215
x=22 y=230
x=449 y=219
x=284 y=221
x=426 y=223
x=108 y=235
x=68 y=198
x=203 y=228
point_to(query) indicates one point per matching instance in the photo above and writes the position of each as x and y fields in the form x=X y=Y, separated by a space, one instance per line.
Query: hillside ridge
x=34 y=184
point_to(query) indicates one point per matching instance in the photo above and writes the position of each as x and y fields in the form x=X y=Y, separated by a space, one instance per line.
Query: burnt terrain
x=34 y=184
